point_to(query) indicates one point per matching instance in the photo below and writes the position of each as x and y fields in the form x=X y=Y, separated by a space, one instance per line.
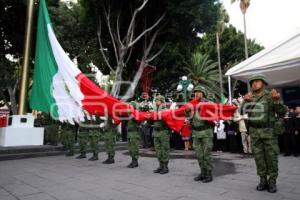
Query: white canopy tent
x=279 y=63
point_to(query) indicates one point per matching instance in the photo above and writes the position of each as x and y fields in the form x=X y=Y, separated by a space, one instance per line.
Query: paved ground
x=65 y=178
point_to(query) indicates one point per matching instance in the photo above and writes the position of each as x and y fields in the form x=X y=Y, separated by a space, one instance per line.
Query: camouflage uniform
x=68 y=138
x=264 y=136
x=88 y=136
x=202 y=133
x=161 y=142
x=134 y=139
x=110 y=137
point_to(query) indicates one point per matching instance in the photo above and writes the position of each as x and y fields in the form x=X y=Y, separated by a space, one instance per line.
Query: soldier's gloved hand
x=275 y=95
x=248 y=97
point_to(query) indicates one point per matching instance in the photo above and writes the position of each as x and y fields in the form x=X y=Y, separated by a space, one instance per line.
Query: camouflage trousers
x=133 y=144
x=110 y=143
x=265 y=151
x=68 y=140
x=203 y=148
x=92 y=139
x=162 y=145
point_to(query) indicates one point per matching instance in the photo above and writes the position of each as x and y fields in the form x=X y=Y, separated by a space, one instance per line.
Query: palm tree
x=224 y=18
x=244 y=5
x=205 y=72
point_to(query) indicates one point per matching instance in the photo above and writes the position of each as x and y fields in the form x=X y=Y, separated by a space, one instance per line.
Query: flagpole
x=26 y=59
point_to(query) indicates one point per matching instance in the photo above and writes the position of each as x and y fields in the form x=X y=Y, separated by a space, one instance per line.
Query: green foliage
x=231 y=46
x=12 y=28
x=76 y=28
x=204 y=72
x=76 y=34
x=183 y=21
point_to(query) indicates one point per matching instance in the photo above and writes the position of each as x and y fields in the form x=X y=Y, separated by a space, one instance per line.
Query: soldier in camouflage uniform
x=88 y=135
x=262 y=106
x=68 y=138
x=110 y=137
x=161 y=139
x=134 y=139
x=202 y=133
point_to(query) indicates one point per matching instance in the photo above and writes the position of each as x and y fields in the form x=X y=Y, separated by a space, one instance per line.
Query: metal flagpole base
x=21 y=132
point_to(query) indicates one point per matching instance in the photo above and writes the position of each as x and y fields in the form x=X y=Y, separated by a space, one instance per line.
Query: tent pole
x=229 y=90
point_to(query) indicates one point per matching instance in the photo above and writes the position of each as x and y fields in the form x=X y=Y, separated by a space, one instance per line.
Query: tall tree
x=182 y=22
x=244 y=5
x=186 y=19
x=124 y=42
x=12 y=24
x=232 y=49
x=220 y=28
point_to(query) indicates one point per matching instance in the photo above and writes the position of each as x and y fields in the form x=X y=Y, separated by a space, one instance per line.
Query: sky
x=268 y=21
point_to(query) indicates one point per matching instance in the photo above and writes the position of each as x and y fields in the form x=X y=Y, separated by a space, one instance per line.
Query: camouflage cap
x=258 y=77
x=200 y=88
x=160 y=98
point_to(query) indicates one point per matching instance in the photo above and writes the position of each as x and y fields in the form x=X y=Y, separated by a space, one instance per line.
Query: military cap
x=160 y=98
x=200 y=88
x=258 y=77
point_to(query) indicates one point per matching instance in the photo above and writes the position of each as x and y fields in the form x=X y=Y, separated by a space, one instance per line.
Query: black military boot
x=109 y=160
x=94 y=157
x=208 y=178
x=263 y=184
x=200 y=177
x=159 y=168
x=272 y=188
x=82 y=155
x=165 y=168
x=133 y=164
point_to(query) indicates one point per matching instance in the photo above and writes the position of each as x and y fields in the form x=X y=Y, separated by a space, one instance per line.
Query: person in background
x=246 y=139
x=297 y=128
x=220 y=136
x=231 y=132
x=289 y=135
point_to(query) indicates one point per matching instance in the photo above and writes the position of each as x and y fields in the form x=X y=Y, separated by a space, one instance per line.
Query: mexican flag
x=55 y=87
x=60 y=88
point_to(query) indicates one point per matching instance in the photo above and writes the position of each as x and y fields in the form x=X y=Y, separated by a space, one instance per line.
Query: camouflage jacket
x=200 y=128
x=160 y=125
x=262 y=112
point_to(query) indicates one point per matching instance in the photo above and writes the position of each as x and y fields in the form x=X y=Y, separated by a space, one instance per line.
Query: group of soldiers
x=89 y=137
x=263 y=108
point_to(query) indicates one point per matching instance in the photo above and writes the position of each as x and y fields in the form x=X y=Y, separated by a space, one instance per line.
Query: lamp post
x=185 y=86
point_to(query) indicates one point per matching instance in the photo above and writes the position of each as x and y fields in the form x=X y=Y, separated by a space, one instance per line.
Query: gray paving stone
x=66 y=178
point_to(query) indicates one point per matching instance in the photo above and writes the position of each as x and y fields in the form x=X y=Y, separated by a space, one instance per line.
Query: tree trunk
x=12 y=97
x=130 y=91
x=219 y=65
x=245 y=37
x=117 y=82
